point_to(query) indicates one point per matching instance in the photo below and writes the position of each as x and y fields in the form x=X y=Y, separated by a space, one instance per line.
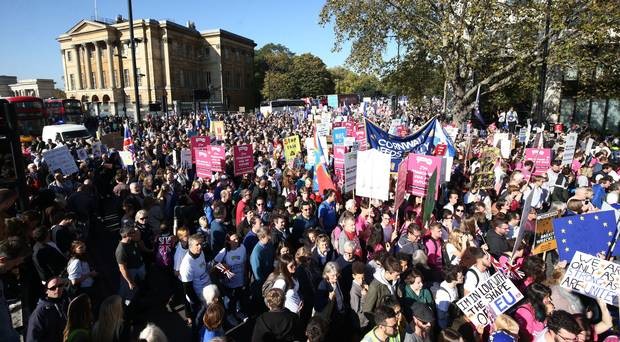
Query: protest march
x=347 y=222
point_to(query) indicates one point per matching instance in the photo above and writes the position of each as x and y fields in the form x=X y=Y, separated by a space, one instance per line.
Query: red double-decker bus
x=64 y=110
x=30 y=116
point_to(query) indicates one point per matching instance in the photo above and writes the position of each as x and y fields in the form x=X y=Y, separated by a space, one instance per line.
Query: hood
x=380 y=276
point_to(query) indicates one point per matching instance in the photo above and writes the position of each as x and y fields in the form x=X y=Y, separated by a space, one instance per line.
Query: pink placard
x=419 y=170
x=541 y=158
x=350 y=125
x=243 y=159
x=203 y=163
x=339 y=152
x=218 y=157
x=360 y=138
x=199 y=143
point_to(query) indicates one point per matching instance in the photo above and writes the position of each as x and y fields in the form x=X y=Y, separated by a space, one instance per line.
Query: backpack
x=469 y=270
x=268 y=284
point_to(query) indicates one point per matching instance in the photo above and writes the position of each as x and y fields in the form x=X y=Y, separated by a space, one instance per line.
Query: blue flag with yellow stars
x=589 y=233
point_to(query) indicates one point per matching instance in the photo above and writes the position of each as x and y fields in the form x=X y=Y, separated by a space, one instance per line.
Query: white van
x=65 y=132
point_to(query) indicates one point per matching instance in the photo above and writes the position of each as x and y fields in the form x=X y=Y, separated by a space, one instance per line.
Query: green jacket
x=377 y=290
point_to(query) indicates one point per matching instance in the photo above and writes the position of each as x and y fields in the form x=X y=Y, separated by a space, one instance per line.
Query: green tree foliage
x=311 y=76
x=349 y=82
x=488 y=43
x=418 y=77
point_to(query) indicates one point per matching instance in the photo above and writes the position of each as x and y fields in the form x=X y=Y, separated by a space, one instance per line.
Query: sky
x=30 y=50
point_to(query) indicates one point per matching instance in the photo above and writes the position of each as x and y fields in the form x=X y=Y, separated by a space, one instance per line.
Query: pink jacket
x=528 y=325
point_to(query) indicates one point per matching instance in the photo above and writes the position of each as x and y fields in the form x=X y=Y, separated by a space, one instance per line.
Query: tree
x=59 y=94
x=311 y=76
x=349 y=82
x=486 y=43
x=273 y=59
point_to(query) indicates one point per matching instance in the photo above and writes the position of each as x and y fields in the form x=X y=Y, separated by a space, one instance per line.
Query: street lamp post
x=133 y=62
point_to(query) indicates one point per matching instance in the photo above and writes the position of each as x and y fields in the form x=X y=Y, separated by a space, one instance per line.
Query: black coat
x=47 y=321
x=280 y=325
x=48 y=261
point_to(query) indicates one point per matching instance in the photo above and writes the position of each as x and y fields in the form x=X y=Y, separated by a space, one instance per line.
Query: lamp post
x=543 y=68
x=133 y=63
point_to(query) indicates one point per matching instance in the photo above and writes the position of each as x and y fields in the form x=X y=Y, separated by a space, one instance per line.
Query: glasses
x=53 y=288
x=260 y=204
x=568 y=339
x=143 y=218
x=459 y=210
x=390 y=326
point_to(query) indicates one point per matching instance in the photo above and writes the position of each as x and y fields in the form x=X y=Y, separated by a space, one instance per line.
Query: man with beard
x=418 y=328
x=386 y=326
x=478 y=273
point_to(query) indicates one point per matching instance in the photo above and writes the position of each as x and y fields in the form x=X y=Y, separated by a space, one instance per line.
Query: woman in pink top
x=532 y=315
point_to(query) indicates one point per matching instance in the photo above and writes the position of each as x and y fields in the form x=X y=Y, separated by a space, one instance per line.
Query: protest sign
x=569 y=149
x=522 y=135
x=97 y=150
x=186 y=158
x=589 y=146
x=218 y=157
x=401 y=185
x=446 y=169
x=339 y=152
x=338 y=135
x=452 y=131
x=126 y=158
x=218 y=129
x=484 y=177
x=350 y=171
x=323 y=128
x=82 y=154
x=243 y=159
x=332 y=101
x=198 y=143
x=203 y=163
x=114 y=140
x=440 y=150
x=350 y=126
x=491 y=298
x=419 y=169
x=360 y=138
x=541 y=158
x=373 y=174
x=593 y=277
x=544 y=237
x=60 y=158
x=291 y=147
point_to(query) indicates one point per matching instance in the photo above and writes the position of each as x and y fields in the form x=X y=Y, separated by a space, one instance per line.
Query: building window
x=126 y=77
x=237 y=80
x=139 y=74
x=226 y=79
x=103 y=79
x=208 y=77
x=71 y=82
x=68 y=56
x=92 y=77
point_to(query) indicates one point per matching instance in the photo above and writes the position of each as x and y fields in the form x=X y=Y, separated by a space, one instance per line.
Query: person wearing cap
x=421 y=319
x=48 y=320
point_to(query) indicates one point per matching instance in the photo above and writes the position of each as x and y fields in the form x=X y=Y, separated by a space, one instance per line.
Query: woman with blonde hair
x=110 y=327
x=457 y=244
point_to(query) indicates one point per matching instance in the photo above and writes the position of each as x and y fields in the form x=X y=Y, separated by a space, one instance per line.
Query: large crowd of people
x=266 y=252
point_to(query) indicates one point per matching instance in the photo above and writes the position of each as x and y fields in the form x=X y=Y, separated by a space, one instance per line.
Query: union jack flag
x=504 y=266
x=128 y=141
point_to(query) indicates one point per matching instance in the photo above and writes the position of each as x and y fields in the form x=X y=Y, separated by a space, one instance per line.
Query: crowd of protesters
x=267 y=249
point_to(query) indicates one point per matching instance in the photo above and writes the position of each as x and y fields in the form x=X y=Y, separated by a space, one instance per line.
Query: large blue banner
x=423 y=141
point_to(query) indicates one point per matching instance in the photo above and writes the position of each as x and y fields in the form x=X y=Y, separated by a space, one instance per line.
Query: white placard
x=186 y=158
x=126 y=158
x=350 y=171
x=569 y=149
x=82 y=154
x=589 y=146
x=593 y=277
x=60 y=158
x=446 y=169
x=373 y=174
x=491 y=298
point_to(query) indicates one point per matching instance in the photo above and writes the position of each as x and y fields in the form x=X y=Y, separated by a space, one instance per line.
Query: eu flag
x=589 y=233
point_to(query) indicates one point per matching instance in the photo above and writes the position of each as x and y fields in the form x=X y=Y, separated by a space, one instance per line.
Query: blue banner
x=423 y=141
x=332 y=101
x=339 y=133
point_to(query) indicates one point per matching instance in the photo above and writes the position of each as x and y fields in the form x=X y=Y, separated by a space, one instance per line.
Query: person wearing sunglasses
x=49 y=318
x=386 y=326
x=421 y=319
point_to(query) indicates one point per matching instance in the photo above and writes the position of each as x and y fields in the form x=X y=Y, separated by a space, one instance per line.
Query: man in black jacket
x=47 y=257
x=277 y=324
x=49 y=318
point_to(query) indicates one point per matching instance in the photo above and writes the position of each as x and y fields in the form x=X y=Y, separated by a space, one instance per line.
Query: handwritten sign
x=569 y=149
x=544 y=237
x=491 y=298
x=541 y=158
x=60 y=158
x=593 y=277
x=291 y=147
x=243 y=159
x=198 y=143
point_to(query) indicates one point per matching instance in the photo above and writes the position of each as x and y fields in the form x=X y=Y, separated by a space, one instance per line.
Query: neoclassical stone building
x=172 y=61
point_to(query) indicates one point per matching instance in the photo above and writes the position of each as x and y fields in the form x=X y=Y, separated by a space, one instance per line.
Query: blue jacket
x=599 y=195
x=261 y=261
x=218 y=235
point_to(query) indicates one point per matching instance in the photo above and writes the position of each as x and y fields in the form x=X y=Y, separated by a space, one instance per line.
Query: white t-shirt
x=451 y=249
x=235 y=259
x=292 y=300
x=76 y=269
x=445 y=295
x=195 y=270
x=471 y=282
x=179 y=253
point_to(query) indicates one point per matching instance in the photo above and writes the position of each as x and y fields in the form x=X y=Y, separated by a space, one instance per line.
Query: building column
x=167 y=86
x=64 y=70
x=89 y=70
x=99 y=68
x=110 y=46
x=76 y=48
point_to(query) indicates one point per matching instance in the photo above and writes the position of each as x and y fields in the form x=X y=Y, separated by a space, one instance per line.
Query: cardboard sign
x=339 y=134
x=218 y=129
x=203 y=164
x=60 y=158
x=544 y=237
x=569 y=149
x=126 y=158
x=186 y=158
x=97 y=150
x=291 y=147
x=198 y=143
x=350 y=171
x=373 y=174
x=593 y=277
x=82 y=154
x=243 y=159
x=419 y=169
x=484 y=177
x=218 y=157
x=332 y=101
x=541 y=158
x=490 y=299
